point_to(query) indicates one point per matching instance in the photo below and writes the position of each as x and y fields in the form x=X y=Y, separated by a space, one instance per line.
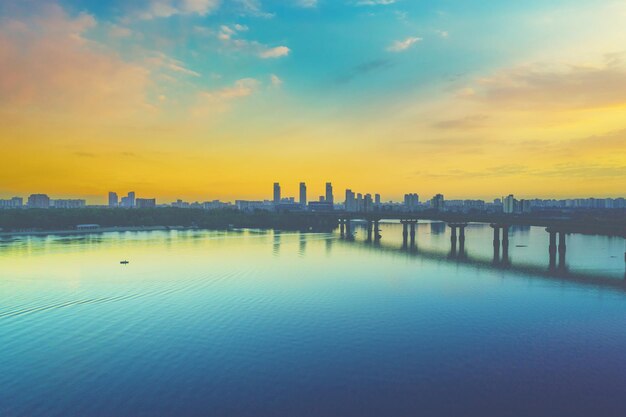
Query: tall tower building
x=131 y=199
x=303 y=194
x=329 y=193
x=113 y=200
x=350 y=204
x=276 y=193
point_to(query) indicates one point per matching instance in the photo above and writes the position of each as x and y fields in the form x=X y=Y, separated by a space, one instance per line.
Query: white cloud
x=375 y=2
x=276 y=52
x=166 y=8
x=403 y=45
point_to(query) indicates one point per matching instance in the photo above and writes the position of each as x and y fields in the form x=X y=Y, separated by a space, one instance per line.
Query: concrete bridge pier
x=342 y=227
x=349 y=229
x=405 y=233
x=496 y=243
x=369 y=230
x=377 y=235
x=562 y=250
x=412 y=234
x=505 y=244
x=453 y=239
x=552 y=249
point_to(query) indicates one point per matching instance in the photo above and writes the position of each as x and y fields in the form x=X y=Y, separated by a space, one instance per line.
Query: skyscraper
x=113 y=200
x=377 y=199
x=276 y=193
x=350 y=204
x=329 y=193
x=303 y=194
x=131 y=199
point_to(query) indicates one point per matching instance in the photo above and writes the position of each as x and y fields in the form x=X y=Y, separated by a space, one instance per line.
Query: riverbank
x=65 y=232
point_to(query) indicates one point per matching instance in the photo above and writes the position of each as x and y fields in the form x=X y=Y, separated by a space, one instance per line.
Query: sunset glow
x=208 y=99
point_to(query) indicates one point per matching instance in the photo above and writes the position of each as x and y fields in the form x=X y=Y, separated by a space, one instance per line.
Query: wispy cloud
x=166 y=8
x=276 y=52
x=403 y=45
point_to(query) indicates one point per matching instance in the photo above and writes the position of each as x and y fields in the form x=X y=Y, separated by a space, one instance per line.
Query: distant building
x=38 y=201
x=350 y=203
x=251 y=206
x=276 y=193
x=68 y=204
x=359 y=202
x=303 y=194
x=128 y=201
x=368 y=203
x=143 y=203
x=411 y=202
x=438 y=202
x=113 y=199
x=329 y=193
x=14 y=203
x=321 y=206
x=508 y=205
x=377 y=200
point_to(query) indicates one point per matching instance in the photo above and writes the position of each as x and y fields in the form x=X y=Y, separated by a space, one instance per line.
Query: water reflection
x=232 y=321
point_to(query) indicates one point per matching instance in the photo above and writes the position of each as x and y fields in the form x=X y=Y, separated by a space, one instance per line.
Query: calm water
x=254 y=323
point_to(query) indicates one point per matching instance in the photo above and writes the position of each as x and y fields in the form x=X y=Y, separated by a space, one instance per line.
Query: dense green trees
x=63 y=219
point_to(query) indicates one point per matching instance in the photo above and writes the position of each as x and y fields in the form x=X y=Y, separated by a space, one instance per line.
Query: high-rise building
x=438 y=202
x=359 y=202
x=131 y=199
x=377 y=200
x=509 y=204
x=368 y=203
x=303 y=194
x=38 y=201
x=411 y=202
x=113 y=200
x=329 y=193
x=350 y=204
x=276 y=193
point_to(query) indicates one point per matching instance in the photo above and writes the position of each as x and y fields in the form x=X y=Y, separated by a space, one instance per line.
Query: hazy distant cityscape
x=352 y=202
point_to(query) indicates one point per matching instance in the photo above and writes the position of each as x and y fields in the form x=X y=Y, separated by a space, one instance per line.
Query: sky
x=218 y=99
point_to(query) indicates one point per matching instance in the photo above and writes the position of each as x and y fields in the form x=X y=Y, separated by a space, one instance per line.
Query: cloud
x=47 y=65
x=220 y=100
x=162 y=61
x=253 y=8
x=307 y=3
x=276 y=52
x=572 y=86
x=403 y=45
x=375 y=2
x=469 y=122
x=167 y=8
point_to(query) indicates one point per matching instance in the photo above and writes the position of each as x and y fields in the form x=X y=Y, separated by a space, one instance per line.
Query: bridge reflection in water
x=556 y=269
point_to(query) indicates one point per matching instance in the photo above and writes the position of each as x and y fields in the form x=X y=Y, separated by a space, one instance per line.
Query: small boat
x=124 y=262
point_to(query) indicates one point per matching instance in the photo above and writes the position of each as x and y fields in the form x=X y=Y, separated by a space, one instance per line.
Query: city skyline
x=222 y=97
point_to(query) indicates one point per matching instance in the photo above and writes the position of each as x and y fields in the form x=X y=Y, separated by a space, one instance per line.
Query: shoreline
x=67 y=232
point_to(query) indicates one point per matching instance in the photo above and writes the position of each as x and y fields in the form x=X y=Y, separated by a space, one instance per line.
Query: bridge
x=556 y=227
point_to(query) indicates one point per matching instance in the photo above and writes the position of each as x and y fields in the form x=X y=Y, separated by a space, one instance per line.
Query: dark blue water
x=255 y=323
